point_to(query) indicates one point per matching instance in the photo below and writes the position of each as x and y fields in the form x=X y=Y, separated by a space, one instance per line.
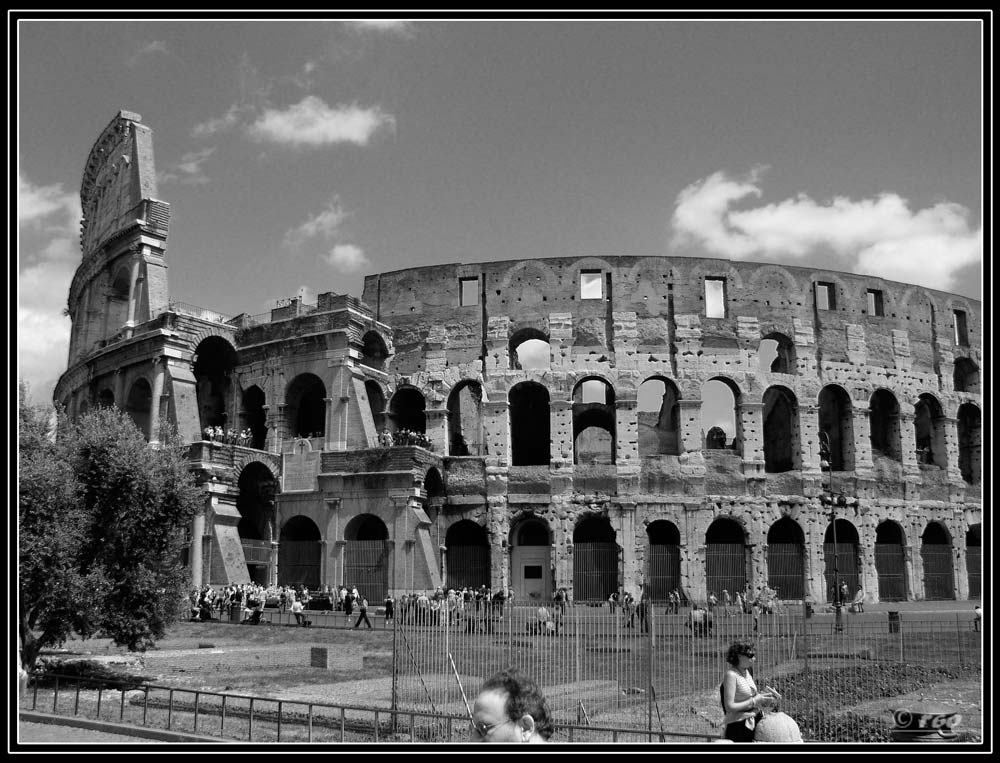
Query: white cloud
x=37 y=203
x=226 y=122
x=151 y=48
x=312 y=123
x=188 y=170
x=396 y=26
x=42 y=329
x=346 y=258
x=325 y=224
x=880 y=236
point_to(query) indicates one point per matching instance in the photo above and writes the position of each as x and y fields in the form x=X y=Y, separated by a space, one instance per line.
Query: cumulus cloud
x=396 y=26
x=311 y=122
x=325 y=224
x=36 y=204
x=880 y=236
x=346 y=258
x=188 y=171
x=216 y=125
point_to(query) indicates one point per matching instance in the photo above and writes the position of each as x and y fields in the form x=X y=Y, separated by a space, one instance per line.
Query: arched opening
x=139 y=405
x=434 y=488
x=935 y=550
x=529 y=350
x=726 y=557
x=366 y=556
x=306 y=406
x=966 y=376
x=376 y=404
x=884 y=425
x=106 y=398
x=781 y=430
x=529 y=424
x=658 y=414
x=970 y=447
x=373 y=350
x=406 y=410
x=299 y=553
x=214 y=361
x=786 y=553
x=465 y=420
x=836 y=420
x=663 y=559
x=530 y=560
x=890 y=562
x=468 y=555
x=974 y=560
x=719 y=420
x=255 y=503
x=776 y=354
x=117 y=307
x=593 y=422
x=846 y=567
x=253 y=416
x=595 y=560
x=928 y=425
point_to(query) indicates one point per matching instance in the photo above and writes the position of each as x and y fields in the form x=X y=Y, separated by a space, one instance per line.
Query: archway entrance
x=725 y=557
x=530 y=561
x=299 y=553
x=366 y=556
x=255 y=503
x=974 y=560
x=468 y=555
x=846 y=569
x=890 y=562
x=595 y=560
x=663 y=559
x=786 y=559
x=935 y=549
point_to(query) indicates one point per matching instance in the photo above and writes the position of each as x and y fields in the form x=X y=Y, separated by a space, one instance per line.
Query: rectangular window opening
x=591 y=285
x=468 y=291
x=875 y=304
x=715 y=297
x=825 y=299
x=961 y=329
x=532 y=572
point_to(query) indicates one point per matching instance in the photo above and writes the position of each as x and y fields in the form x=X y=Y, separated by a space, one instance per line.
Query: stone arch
x=366 y=555
x=300 y=553
x=594 y=425
x=885 y=426
x=468 y=555
x=929 y=429
x=545 y=278
x=407 y=410
x=663 y=559
x=529 y=424
x=966 y=376
x=786 y=553
x=119 y=291
x=970 y=445
x=257 y=487
x=937 y=556
x=139 y=405
x=253 y=415
x=305 y=401
x=782 y=450
x=215 y=360
x=595 y=559
x=535 y=353
x=776 y=354
x=376 y=403
x=841 y=558
x=106 y=398
x=757 y=284
x=531 y=572
x=890 y=561
x=374 y=350
x=727 y=556
x=836 y=421
x=658 y=415
x=721 y=416
x=465 y=419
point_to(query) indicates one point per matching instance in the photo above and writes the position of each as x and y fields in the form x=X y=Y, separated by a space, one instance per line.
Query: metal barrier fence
x=656 y=672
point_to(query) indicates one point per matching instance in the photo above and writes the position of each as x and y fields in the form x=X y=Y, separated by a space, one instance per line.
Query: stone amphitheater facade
x=537 y=423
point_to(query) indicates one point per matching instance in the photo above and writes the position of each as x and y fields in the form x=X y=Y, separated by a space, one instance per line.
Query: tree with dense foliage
x=101 y=519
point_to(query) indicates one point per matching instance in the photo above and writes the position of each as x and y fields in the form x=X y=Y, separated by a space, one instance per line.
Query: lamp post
x=826 y=462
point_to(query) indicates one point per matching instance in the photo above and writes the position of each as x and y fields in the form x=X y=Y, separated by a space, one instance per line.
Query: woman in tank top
x=741 y=700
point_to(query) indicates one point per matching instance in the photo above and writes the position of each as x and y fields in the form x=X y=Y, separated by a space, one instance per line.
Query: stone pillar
x=496 y=434
x=626 y=431
x=133 y=292
x=908 y=441
x=809 y=439
x=281 y=426
x=561 y=433
x=437 y=429
x=197 y=540
x=119 y=389
x=751 y=415
x=950 y=426
x=159 y=372
x=690 y=426
x=324 y=564
x=497 y=351
x=626 y=542
x=862 y=439
x=268 y=425
x=959 y=562
x=334 y=425
x=272 y=574
x=560 y=339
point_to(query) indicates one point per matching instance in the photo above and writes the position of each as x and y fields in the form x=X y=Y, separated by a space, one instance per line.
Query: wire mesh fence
x=639 y=668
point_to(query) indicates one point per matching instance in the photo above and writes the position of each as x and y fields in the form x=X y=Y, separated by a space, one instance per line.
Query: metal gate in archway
x=786 y=569
x=890 y=565
x=939 y=580
x=846 y=569
x=366 y=567
x=595 y=571
x=663 y=570
x=298 y=563
x=974 y=567
x=725 y=567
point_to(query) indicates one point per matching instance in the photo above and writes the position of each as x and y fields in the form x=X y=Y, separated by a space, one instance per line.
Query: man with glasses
x=510 y=708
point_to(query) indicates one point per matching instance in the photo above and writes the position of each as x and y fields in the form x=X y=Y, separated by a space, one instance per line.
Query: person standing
x=741 y=700
x=297 y=608
x=363 y=613
x=390 y=608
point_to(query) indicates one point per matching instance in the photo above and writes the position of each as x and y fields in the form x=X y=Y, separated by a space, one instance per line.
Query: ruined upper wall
x=666 y=298
x=119 y=175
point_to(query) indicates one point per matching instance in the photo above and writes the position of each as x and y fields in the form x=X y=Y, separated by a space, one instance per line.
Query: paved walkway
x=51 y=733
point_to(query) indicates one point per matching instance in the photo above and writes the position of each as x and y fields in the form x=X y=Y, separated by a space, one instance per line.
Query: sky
x=300 y=155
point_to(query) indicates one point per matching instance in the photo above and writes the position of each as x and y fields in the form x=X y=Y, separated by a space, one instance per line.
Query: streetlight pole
x=826 y=462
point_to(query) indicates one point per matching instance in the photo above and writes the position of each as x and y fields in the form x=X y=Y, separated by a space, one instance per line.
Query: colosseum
x=537 y=423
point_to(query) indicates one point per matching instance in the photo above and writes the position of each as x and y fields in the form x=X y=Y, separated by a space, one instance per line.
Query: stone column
x=119 y=389
x=690 y=426
x=197 y=539
x=626 y=431
x=561 y=433
x=809 y=440
x=437 y=429
x=908 y=441
x=334 y=426
x=950 y=426
x=626 y=542
x=133 y=291
x=863 y=463
x=281 y=426
x=159 y=372
x=496 y=430
x=339 y=547
x=751 y=414
x=324 y=564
